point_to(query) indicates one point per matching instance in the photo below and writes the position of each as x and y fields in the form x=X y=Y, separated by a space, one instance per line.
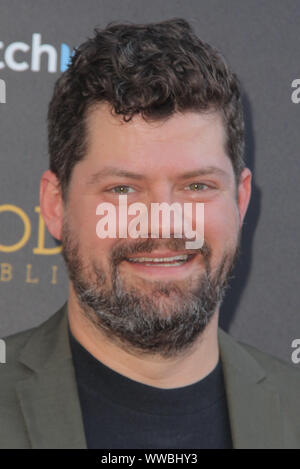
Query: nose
x=161 y=192
x=165 y=213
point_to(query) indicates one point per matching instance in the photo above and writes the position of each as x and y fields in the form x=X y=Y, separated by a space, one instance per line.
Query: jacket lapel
x=49 y=398
x=254 y=407
x=51 y=407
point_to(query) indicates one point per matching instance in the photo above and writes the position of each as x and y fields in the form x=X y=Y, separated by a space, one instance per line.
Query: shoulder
x=261 y=367
x=27 y=353
x=12 y=431
x=285 y=375
x=271 y=363
x=242 y=354
x=13 y=345
x=278 y=376
x=269 y=378
x=33 y=344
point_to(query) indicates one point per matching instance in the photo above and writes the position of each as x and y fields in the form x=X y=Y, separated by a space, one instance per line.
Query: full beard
x=163 y=318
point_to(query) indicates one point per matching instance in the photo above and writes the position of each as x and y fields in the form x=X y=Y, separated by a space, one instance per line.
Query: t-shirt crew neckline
x=98 y=378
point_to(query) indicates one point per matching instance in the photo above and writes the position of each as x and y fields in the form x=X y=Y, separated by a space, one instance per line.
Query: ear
x=244 y=193
x=51 y=203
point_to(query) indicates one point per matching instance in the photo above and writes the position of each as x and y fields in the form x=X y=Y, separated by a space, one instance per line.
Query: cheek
x=84 y=221
x=221 y=225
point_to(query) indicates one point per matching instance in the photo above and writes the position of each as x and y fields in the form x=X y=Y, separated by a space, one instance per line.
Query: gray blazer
x=39 y=404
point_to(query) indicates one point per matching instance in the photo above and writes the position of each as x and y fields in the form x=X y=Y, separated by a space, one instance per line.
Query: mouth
x=162 y=265
x=170 y=261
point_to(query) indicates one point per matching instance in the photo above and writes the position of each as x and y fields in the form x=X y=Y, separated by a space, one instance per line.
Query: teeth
x=160 y=259
x=174 y=264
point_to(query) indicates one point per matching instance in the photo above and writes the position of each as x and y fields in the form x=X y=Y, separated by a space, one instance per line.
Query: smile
x=161 y=261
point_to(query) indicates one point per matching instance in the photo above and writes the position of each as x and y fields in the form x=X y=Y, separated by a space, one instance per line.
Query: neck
x=152 y=370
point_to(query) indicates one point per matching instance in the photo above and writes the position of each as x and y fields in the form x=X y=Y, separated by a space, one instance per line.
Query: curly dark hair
x=154 y=69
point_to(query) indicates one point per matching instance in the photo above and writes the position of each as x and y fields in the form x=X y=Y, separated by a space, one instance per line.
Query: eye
x=197 y=186
x=122 y=189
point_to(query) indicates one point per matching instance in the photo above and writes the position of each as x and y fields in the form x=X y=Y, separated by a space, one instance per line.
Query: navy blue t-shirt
x=121 y=413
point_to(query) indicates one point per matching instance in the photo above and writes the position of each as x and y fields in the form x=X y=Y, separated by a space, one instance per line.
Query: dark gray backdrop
x=261 y=41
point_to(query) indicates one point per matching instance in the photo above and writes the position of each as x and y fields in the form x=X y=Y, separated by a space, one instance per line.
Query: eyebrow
x=111 y=171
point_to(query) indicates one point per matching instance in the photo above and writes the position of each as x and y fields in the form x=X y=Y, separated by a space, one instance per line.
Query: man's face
x=150 y=306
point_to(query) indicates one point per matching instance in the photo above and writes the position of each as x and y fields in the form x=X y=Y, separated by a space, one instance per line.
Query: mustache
x=128 y=248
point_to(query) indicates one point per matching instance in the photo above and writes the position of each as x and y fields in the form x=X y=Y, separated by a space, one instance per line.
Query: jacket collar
x=51 y=407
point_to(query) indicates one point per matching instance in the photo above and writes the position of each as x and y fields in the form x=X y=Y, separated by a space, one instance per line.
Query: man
x=135 y=358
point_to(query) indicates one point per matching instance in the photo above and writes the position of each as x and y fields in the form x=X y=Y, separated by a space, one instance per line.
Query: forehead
x=180 y=142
